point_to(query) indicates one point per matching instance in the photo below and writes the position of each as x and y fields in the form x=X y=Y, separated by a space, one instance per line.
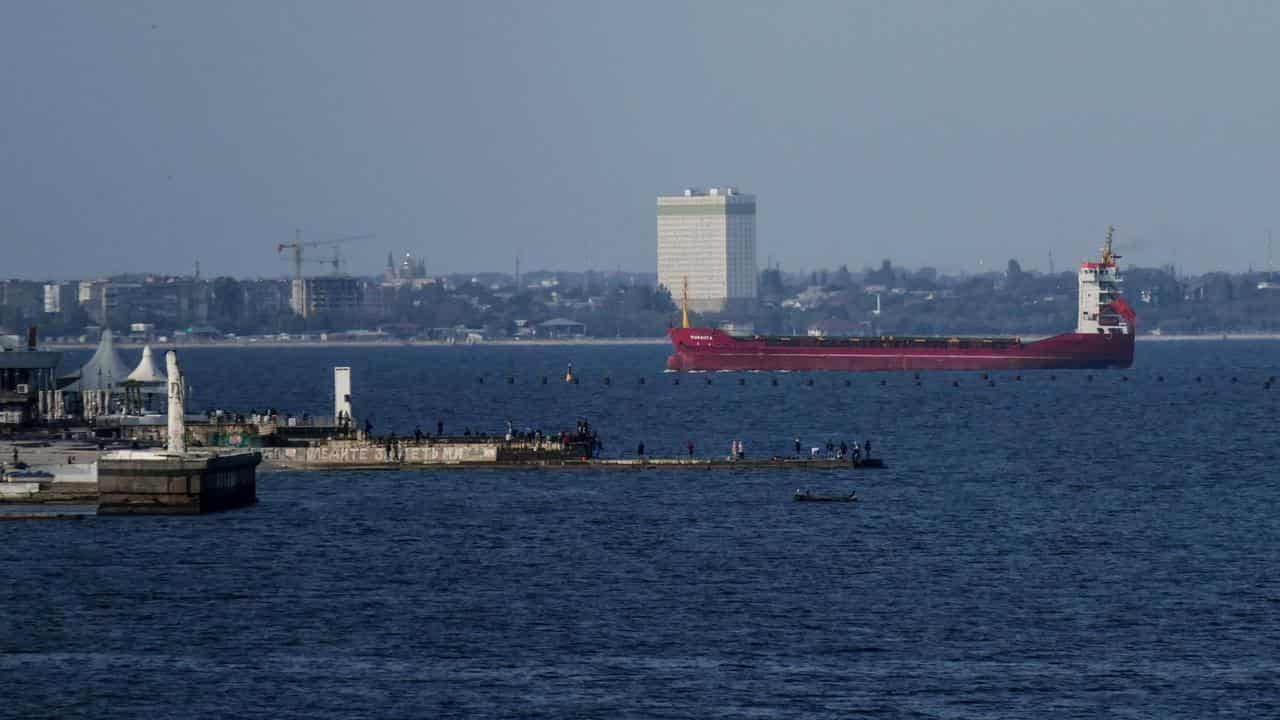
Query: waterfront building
x=26 y=374
x=163 y=301
x=709 y=238
x=334 y=294
x=408 y=271
x=21 y=302
x=562 y=328
x=98 y=387
x=146 y=386
x=61 y=298
x=265 y=297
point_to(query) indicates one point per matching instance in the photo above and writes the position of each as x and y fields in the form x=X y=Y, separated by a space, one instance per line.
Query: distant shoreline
x=585 y=342
x=1216 y=336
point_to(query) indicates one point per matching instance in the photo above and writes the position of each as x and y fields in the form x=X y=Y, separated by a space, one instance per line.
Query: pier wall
x=200 y=434
x=139 y=483
x=363 y=454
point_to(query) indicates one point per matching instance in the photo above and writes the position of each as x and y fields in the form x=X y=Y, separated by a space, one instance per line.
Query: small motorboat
x=811 y=496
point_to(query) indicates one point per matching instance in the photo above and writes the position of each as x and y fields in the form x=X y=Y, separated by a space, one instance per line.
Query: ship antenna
x=1108 y=258
x=684 y=303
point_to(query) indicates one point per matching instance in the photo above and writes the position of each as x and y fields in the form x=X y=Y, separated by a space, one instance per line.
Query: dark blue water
x=1070 y=547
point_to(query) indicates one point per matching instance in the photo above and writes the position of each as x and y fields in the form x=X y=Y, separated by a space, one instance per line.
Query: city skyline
x=156 y=134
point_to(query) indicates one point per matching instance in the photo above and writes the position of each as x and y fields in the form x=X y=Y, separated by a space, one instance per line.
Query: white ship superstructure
x=1099 y=291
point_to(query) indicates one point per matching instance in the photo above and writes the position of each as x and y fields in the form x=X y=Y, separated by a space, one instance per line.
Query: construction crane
x=334 y=262
x=297 y=245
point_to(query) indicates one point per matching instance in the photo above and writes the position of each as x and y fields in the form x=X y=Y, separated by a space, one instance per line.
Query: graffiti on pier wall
x=378 y=454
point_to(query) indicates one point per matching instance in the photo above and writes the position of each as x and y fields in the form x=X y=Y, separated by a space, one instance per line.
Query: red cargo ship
x=1103 y=339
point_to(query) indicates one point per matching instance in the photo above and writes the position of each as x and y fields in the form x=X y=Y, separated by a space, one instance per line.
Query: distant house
x=561 y=328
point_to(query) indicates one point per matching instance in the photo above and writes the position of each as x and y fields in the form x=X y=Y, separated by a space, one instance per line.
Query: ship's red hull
x=707 y=349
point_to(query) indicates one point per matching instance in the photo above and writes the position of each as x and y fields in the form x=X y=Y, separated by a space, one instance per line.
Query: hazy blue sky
x=145 y=136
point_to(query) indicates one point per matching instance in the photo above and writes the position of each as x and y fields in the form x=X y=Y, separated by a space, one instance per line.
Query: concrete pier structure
x=134 y=482
x=496 y=453
x=175 y=481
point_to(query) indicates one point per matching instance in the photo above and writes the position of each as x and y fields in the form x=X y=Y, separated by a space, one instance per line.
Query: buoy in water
x=1159 y=378
x=848 y=383
x=955 y=383
x=480 y=379
x=675 y=381
x=1089 y=378
x=742 y=381
x=511 y=381
x=608 y=380
x=708 y=381
x=641 y=381
x=774 y=381
x=884 y=382
x=544 y=379
x=809 y=382
x=1018 y=378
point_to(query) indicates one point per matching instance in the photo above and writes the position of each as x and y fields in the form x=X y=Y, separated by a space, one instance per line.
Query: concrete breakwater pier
x=175 y=481
x=499 y=453
x=145 y=483
x=167 y=481
x=209 y=462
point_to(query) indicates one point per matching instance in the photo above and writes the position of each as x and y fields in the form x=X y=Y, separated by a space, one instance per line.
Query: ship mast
x=684 y=304
x=1108 y=257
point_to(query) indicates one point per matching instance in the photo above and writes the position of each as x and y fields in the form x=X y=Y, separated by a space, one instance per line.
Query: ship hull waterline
x=718 y=351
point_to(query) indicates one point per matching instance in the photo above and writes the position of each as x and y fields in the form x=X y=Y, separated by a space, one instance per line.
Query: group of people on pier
x=843 y=450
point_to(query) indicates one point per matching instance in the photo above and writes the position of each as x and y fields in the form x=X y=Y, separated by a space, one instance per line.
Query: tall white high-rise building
x=709 y=237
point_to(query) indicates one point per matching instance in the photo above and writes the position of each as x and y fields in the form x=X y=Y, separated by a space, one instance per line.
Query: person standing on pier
x=640 y=451
x=417 y=434
x=439 y=428
x=688 y=444
x=797 y=441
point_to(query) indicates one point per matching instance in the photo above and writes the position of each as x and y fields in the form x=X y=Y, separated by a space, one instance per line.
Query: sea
x=1065 y=544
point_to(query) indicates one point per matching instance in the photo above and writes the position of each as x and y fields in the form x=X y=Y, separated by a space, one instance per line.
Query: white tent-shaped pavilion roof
x=104 y=371
x=147 y=373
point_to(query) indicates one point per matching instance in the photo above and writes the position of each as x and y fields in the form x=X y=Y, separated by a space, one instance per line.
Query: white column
x=341 y=392
x=177 y=409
